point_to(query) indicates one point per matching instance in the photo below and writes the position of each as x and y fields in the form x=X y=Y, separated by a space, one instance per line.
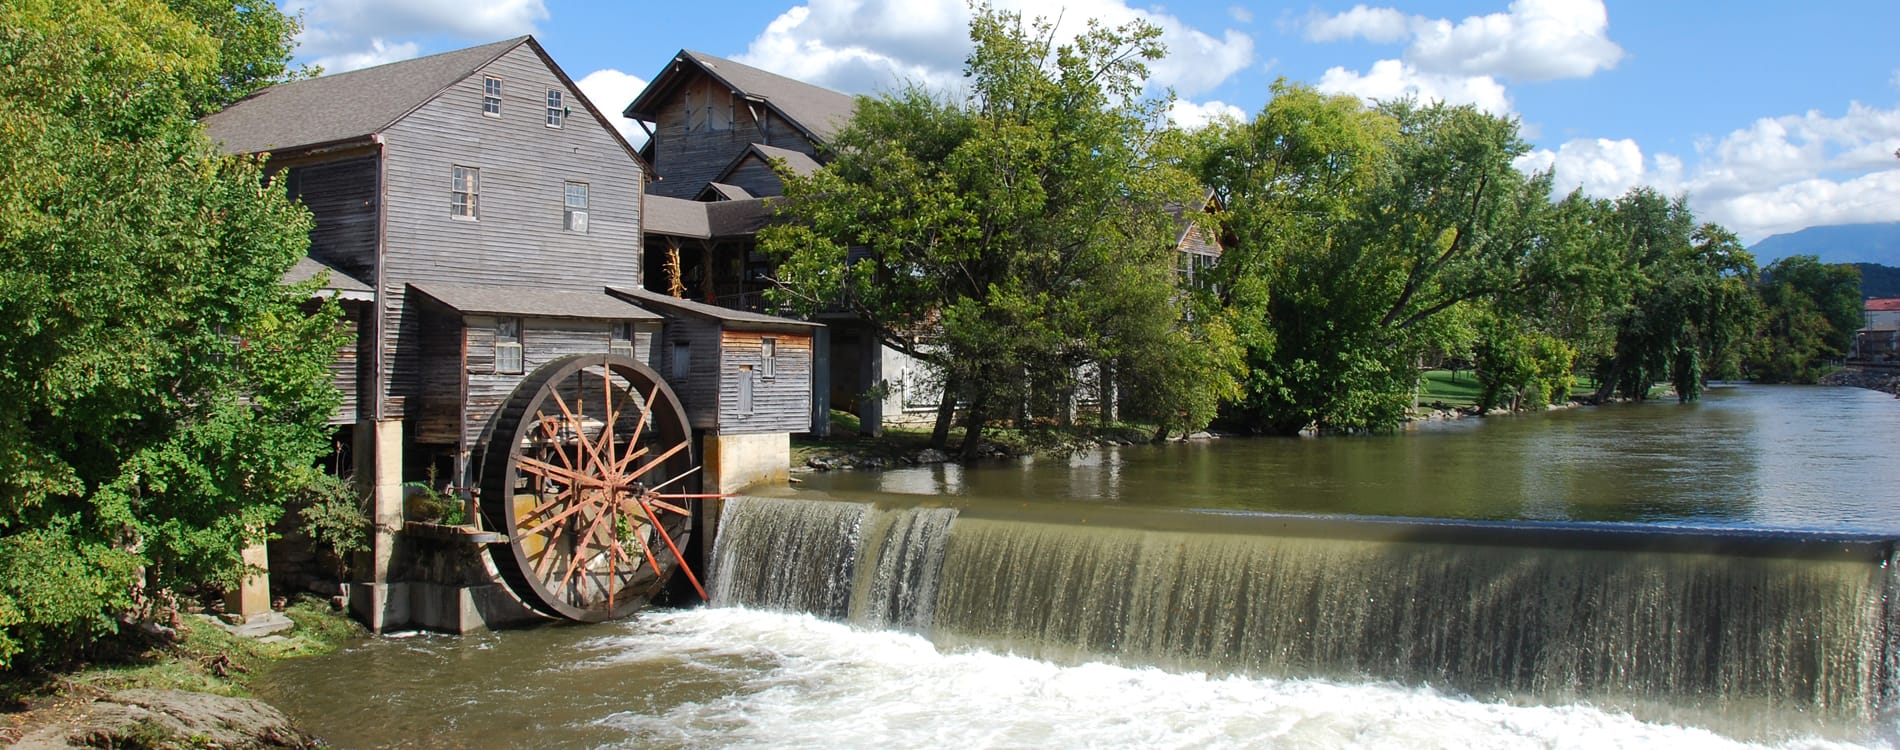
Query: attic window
x=555 y=110
x=491 y=96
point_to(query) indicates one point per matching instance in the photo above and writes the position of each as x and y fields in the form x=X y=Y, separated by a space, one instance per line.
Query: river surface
x=731 y=676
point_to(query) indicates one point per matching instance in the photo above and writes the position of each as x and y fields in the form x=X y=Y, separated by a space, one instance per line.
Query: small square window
x=575 y=207
x=555 y=110
x=768 y=357
x=465 y=192
x=620 y=338
x=491 y=96
x=508 y=346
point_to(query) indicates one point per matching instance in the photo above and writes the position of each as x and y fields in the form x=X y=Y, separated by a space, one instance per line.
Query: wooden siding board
x=688 y=159
x=519 y=239
x=542 y=341
x=757 y=177
x=781 y=403
x=341 y=196
x=699 y=391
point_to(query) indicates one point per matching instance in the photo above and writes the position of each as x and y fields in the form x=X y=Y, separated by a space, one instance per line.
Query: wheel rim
x=589 y=470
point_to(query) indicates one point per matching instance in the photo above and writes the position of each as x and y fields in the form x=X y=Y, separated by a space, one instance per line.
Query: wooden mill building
x=474 y=208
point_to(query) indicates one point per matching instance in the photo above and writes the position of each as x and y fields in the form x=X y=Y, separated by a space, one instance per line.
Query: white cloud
x=1778 y=174
x=1537 y=40
x=1382 y=25
x=1466 y=62
x=1193 y=116
x=1394 y=79
x=611 y=91
x=865 y=46
x=347 y=32
x=1240 y=14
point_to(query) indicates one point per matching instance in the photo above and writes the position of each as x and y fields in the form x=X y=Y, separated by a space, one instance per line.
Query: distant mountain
x=1878 y=281
x=1845 y=243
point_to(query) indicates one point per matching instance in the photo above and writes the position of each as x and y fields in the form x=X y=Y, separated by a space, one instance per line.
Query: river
x=1029 y=604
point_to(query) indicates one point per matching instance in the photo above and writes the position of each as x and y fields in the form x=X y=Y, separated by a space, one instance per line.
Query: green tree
x=1362 y=232
x=1008 y=237
x=1811 y=311
x=160 y=391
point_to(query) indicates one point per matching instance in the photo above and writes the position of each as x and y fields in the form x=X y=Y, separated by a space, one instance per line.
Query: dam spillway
x=1740 y=628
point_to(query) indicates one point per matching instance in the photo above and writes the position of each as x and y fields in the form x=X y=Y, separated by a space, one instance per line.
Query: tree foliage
x=159 y=389
x=1015 y=234
x=1810 y=313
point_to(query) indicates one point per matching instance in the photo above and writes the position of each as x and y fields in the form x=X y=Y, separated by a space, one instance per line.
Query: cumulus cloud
x=1393 y=79
x=344 y=35
x=1466 y=62
x=1193 y=116
x=1382 y=25
x=865 y=46
x=1778 y=174
x=611 y=91
x=1240 y=13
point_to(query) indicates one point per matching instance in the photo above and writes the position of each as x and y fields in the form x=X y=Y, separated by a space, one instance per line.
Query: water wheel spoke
x=552 y=434
x=668 y=538
x=583 y=503
x=591 y=463
x=621 y=465
x=556 y=473
x=655 y=463
x=580 y=545
x=646 y=413
x=680 y=476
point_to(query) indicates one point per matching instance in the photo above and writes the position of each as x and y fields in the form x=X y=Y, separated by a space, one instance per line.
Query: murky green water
x=1757 y=456
x=1751 y=457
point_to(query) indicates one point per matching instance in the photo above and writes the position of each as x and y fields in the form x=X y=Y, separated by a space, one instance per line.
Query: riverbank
x=175 y=687
x=1885 y=380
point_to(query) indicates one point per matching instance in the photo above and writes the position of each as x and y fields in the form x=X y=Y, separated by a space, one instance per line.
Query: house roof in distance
x=678 y=217
x=341 y=284
x=818 y=111
x=1883 y=304
x=529 y=302
x=736 y=318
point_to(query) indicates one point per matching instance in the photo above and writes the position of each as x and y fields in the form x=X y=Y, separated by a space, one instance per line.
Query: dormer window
x=555 y=110
x=491 y=96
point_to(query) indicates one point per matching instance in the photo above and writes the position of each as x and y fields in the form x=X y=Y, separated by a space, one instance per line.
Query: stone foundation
x=734 y=462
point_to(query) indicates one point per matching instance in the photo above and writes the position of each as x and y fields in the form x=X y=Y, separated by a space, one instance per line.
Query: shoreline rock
x=1883 y=380
x=165 y=718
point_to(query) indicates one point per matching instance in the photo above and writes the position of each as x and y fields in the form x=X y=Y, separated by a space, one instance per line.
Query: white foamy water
x=794 y=681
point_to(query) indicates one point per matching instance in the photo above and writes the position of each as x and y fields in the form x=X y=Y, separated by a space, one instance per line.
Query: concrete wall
x=733 y=462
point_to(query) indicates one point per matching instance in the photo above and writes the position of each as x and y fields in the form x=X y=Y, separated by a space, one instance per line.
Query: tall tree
x=1008 y=237
x=159 y=389
x=1811 y=311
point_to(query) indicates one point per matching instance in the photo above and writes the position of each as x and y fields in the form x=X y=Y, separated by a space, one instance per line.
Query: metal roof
x=532 y=302
x=1883 y=304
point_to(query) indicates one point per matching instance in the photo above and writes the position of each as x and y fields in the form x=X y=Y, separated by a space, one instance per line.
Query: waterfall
x=1655 y=620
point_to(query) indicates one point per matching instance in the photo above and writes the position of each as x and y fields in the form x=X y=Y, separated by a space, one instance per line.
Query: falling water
x=1670 y=624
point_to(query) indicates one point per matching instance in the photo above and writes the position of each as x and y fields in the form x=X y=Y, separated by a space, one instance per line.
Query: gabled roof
x=801 y=163
x=359 y=104
x=530 y=302
x=1883 y=304
x=817 y=111
x=345 y=106
x=720 y=191
x=1184 y=226
x=674 y=306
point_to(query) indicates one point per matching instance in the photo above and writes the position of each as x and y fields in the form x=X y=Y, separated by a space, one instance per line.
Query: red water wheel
x=589 y=471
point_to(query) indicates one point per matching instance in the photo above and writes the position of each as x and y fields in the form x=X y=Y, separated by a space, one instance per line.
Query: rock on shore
x=166 y=718
x=1885 y=381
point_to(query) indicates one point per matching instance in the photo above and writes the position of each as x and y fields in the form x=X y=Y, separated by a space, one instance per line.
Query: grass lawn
x=1454 y=388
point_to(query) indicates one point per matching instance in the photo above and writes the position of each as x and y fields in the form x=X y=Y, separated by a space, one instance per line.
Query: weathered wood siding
x=519 y=238
x=437 y=404
x=347 y=369
x=757 y=177
x=542 y=340
x=341 y=196
x=699 y=390
x=781 y=403
x=692 y=148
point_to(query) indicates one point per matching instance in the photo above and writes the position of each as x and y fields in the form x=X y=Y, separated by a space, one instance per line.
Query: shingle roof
x=1883 y=304
x=725 y=191
x=819 y=111
x=344 y=106
x=531 y=302
x=678 y=217
x=676 y=306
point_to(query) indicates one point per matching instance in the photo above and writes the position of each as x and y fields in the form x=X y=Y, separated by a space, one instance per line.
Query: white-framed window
x=745 y=389
x=768 y=357
x=465 y=192
x=508 y=346
x=620 y=338
x=575 y=207
x=682 y=360
x=555 y=110
x=491 y=96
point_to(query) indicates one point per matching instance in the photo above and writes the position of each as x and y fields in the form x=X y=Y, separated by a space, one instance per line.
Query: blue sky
x=1771 y=117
